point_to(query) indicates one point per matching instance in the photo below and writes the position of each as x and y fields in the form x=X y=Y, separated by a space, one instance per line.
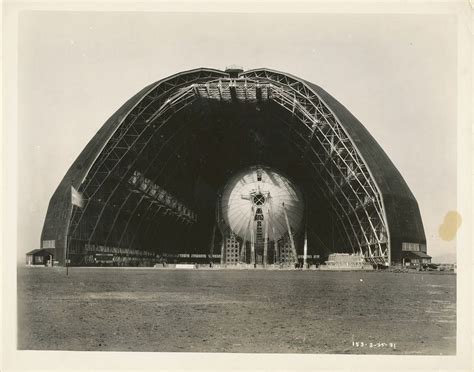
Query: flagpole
x=66 y=248
x=305 y=253
x=78 y=201
x=66 y=253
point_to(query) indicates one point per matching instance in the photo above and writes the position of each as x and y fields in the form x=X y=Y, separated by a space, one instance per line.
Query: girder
x=89 y=194
x=328 y=192
x=339 y=192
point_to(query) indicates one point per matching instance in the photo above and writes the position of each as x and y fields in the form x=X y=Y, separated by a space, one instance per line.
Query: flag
x=76 y=197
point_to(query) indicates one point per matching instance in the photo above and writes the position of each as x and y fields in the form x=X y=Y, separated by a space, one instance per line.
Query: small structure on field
x=346 y=261
x=411 y=258
x=40 y=257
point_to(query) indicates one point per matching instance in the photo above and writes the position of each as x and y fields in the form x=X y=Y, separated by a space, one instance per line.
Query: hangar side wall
x=60 y=208
x=401 y=208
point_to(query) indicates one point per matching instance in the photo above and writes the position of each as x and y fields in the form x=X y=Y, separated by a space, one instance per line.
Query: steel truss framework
x=104 y=183
x=349 y=186
x=339 y=171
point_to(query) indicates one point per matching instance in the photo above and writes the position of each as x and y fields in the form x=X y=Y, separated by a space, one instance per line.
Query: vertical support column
x=292 y=242
x=305 y=254
x=265 y=244
x=242 y=251
x=211 y=248
x=277 y=255
x=305 y=249
x=222 y=250
x=252 y=245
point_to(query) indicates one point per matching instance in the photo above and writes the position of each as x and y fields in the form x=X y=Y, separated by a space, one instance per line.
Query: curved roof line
x=402 y=212
x=272 y=71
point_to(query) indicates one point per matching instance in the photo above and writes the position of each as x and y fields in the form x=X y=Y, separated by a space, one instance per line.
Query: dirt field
x=236 y=311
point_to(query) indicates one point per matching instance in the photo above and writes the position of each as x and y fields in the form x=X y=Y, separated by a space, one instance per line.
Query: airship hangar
x=257 y=168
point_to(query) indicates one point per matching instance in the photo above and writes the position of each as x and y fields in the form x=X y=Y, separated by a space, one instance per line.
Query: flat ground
x=236 y=311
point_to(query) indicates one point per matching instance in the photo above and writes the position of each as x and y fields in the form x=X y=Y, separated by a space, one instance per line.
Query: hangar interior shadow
x=202 y=146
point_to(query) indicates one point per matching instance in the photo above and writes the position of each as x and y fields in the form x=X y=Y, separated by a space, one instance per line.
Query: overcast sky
x=395 y=73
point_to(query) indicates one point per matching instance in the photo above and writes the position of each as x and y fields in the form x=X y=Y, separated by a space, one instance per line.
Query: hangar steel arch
x=151 y=174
